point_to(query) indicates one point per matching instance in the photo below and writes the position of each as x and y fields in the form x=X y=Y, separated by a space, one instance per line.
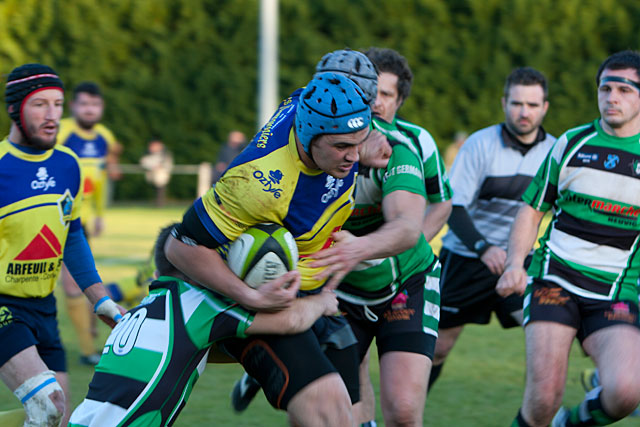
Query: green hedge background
x=186 y=70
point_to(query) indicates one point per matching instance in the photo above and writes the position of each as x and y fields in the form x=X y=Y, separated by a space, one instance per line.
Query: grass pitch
x=481 y=384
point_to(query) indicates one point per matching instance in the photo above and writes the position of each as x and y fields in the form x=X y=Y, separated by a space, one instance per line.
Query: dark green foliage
x=185 y=71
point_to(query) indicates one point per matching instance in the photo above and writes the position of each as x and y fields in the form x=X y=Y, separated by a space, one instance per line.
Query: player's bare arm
x=206 y=267
x=435 y=218
x=403 y=212
x=521 y=239
x=299 y=317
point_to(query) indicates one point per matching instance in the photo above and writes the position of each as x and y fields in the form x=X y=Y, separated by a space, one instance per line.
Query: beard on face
x=86 y=124
x=37 y=142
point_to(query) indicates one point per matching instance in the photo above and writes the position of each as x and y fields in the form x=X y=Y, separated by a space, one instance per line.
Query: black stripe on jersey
x=504 y=187
x=155 y=307
x=116 y=389
x=499 y=206
x=596 y=233
x=432 y=185
x=184 y=359
x=577 y=279
x=606 y=159
x=631 y=261
x=413 y=137
x=577 y=138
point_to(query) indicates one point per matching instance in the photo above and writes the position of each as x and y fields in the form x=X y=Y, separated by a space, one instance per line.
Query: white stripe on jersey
x=97 y=414
x=577 y=251
x=600 y=184
x=153 y=335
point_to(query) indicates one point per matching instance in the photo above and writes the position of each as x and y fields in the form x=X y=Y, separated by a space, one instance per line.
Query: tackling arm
x=299 y=317
x=206 y=267
x=403 y=213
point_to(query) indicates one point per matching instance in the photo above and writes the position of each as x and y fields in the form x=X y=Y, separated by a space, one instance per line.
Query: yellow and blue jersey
x=91 y=147
x=40 y=194
x=268 y=182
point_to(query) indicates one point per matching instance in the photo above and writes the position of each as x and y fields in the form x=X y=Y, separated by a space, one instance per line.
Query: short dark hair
x=526 y=76
x=163 y=265
x=87 y=87
x=390 y=61
x=620 y=61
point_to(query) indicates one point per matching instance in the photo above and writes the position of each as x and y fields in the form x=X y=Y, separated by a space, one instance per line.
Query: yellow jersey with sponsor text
x=91 y=147
x=40 y=194
x=268 y=182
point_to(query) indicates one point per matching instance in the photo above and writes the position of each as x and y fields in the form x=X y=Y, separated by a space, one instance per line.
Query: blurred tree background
x=185 y=71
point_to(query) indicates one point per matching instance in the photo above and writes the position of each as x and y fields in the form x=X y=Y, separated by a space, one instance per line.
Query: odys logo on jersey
x=355 y=123
x=44 y=181
x=274 y=178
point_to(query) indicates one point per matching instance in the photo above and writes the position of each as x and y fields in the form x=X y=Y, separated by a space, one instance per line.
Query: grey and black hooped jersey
x=488 y=178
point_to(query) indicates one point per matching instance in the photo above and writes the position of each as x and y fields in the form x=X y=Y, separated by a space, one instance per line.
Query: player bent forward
x=155 y=355
x=586 y=271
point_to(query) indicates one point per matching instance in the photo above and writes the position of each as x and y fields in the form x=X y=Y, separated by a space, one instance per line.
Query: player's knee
x=43 y=400
x=403 y=411
x=621 y=399
x=325 y=401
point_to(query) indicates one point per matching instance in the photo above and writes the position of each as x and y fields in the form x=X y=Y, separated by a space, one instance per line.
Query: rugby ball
x=262 y=253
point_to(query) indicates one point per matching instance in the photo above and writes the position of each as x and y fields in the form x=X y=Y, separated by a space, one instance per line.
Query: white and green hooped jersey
x=436 y=180
x=376 y=281
x=154 y=356
x=592 y=180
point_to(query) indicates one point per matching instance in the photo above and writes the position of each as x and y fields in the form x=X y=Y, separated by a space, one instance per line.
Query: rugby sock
x=590 y=412
x=80 y=315
x=435 y=373
x=519 y=421
x=371 y=423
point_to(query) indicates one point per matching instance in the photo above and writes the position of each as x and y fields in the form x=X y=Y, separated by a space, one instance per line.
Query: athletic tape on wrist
x=106 y=307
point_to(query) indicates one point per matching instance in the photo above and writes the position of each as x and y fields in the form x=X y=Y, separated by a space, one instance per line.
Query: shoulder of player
x=579 y=132
x=68 y=153
x=423 y=136
x=67 y=126
x=101 y=129
x=483 y=139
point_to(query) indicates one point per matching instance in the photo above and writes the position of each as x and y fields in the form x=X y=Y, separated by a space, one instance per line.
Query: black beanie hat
x=23 y=81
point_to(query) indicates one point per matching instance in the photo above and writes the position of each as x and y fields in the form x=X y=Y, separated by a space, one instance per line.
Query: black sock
x=435 y=373
x=519 y=421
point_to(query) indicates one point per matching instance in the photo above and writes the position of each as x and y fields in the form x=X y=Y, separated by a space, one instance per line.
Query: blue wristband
x=100 y=301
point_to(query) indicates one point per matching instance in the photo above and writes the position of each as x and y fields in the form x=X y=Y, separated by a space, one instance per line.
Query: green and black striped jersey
x=590 y=248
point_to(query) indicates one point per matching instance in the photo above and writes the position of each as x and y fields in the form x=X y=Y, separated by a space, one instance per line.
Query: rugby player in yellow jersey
x=93 y=143
x=40 y=201
x=299 y=171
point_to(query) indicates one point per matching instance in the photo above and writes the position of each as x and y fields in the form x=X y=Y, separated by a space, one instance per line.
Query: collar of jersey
x=25 y=154
x=634 y=139
x=293 y=151
x=83 y=133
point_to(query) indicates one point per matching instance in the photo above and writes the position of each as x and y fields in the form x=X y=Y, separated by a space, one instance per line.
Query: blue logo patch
x=612 y=161
x=65 y=206
x=588 y=157
x=275 y=176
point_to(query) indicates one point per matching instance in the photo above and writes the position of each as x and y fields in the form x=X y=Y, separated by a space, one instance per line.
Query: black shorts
x=468 y=293
x=397 y=324
x=547 y=301
x=284 y=364
x=31 y=321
